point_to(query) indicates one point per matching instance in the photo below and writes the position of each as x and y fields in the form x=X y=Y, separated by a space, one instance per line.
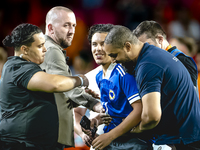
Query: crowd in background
x=180 y=19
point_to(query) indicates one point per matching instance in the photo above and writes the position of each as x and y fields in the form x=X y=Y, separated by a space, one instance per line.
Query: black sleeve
x=23 y=73
x=190 y=66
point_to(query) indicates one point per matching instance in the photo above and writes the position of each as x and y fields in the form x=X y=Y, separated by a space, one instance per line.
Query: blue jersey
x=118 y=91
x=159 y=71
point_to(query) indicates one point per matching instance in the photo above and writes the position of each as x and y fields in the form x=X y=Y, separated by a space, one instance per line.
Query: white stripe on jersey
x=122 y=69
x=119 y=72
x=134 y=98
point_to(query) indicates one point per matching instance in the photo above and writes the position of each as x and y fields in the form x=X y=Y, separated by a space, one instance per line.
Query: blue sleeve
x=129 y=86
x=149 y=78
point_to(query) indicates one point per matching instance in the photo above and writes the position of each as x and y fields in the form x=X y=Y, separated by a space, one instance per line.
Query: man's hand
x=87 y=139
x=101 y=141
x=105 y=118
x=71 y=104
x=89 y=126
x=136 y=130
x=89 y=91
x=89 y=133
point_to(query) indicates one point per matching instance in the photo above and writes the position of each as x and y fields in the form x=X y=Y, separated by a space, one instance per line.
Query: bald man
x=60 y=29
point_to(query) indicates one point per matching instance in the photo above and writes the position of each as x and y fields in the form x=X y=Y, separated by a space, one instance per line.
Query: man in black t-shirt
x=23 y=111
x=29 y=117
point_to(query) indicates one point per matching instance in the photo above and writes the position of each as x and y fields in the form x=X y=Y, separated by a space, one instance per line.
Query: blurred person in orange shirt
x=197 y=59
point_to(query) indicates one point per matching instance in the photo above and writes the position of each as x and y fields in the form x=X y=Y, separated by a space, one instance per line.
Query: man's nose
x=44 y=49
x=71 y=30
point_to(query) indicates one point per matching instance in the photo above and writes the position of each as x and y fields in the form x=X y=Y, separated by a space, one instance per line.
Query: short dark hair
x=119 y=35
x=99 y=28
x=21 y=35
x=150 y=28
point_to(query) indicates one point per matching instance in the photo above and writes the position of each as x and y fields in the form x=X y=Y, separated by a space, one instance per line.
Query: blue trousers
x=128 y=142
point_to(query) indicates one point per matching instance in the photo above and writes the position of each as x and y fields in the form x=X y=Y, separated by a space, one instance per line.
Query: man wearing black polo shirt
x=171 y=108
x=152 y=33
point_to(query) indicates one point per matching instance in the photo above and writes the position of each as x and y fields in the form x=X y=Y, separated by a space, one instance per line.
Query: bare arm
x=42 y=81
x=130 y=121
x=78 y=113
x=151 y=113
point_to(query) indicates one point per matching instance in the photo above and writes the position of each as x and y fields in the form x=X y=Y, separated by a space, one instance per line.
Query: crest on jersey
x=111 y=95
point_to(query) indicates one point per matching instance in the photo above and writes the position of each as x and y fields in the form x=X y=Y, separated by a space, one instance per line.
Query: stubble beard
x=129 y=66
x=65 y=44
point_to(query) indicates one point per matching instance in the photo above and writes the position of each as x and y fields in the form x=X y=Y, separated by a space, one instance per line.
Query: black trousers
x=129 y=141
x=20 y=146
x=15 y=146
x=61 y=146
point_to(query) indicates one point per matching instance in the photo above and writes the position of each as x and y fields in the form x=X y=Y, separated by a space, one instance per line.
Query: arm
x=83 y=98
x=42 y=81
x=78 y=113
x=55 y=64
x=151 y=113
x=149 y=79
x=128 y=85
x=79 y=96
x=130 y=121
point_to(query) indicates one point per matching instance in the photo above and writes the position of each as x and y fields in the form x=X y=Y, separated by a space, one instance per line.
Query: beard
x=65 y=44
x=129 y=66
x=62 y=40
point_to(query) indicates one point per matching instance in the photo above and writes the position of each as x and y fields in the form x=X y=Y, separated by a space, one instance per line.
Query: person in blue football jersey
x=122 y=98
x=96 y=36
x=119 y=97
x=171 y=108
x=118 y=90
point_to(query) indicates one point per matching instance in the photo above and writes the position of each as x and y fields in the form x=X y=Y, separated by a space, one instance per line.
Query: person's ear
x=160 y=39
x=24 y=49
x=50 y=28
x=127 y=46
